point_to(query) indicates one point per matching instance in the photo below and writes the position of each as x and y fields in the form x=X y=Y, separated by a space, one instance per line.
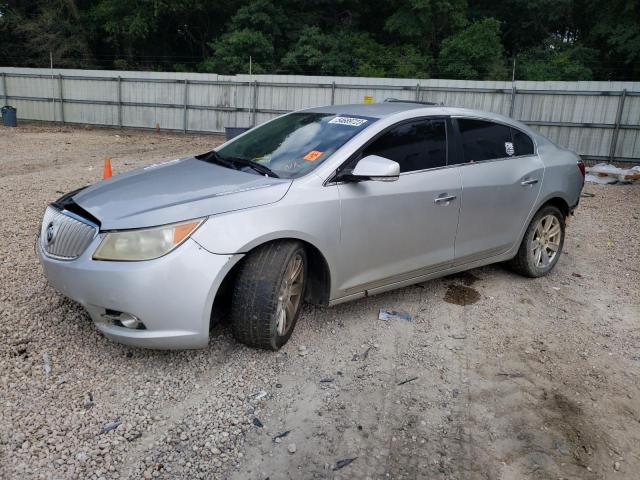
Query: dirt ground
x=495 y=377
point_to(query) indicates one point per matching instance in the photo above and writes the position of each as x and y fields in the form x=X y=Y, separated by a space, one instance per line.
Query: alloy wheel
x=546 y=241
x=290 y=294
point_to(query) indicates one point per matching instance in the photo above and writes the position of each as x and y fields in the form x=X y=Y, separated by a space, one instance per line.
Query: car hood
x=174 y=191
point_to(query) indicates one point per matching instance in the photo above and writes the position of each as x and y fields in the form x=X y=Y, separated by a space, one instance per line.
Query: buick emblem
x=50 y=233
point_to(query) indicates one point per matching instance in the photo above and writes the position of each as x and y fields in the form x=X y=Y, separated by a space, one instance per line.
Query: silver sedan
x=323 y=205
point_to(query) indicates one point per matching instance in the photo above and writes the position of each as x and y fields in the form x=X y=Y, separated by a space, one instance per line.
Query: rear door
x=391 y=231
x=501 y=178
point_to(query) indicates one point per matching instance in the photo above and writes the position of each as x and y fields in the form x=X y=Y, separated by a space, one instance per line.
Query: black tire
x=525 y=262
x=255 y=300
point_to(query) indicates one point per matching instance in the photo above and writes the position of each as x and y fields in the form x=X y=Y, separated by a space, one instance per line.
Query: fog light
x=123 y=319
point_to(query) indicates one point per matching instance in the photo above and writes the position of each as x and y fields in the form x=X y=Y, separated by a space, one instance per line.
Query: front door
x=501 y=178
x=392 y=231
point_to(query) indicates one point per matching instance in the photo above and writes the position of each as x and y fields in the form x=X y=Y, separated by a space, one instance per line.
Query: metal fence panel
x=599 y=120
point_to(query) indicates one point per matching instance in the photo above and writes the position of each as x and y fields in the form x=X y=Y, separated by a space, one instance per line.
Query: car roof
x=373 y=110
x=386 y=109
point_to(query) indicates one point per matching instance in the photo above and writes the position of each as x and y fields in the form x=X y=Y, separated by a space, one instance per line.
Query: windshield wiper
x=258 y=167
x=215 y=157
x=234 y=162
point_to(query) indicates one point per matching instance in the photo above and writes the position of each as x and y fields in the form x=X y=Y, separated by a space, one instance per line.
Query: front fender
x=308 y=214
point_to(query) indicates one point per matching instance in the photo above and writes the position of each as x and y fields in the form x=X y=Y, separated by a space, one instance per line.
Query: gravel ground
x=495 y=376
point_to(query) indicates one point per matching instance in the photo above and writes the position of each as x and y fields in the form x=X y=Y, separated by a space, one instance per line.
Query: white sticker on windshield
x=351 y=121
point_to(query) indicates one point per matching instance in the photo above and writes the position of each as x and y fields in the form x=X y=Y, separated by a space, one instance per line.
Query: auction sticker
x=313 y=155
x=351 y=121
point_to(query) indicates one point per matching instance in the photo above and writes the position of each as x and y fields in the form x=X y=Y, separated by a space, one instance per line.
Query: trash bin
x=232 y=132
x=9 y=117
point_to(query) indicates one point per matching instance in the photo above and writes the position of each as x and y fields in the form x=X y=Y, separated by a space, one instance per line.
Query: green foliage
x=427 y=22
x=231 y=53
x=556 y=61
x=346 y=53
x=551 y=39
x=474 y=53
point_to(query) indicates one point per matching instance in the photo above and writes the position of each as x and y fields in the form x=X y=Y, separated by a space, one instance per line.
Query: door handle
x=446 y=198
x=530 y=181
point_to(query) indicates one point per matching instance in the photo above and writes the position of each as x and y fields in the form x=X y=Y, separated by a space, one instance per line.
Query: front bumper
x=171 y=295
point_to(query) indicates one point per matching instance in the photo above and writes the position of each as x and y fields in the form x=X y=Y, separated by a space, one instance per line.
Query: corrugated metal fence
x=599 y=120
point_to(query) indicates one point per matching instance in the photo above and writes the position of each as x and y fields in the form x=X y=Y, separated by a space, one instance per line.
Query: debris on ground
x=46 y=364
x=326 y=380
x=107 y=427
x=343 y=463
x=88 y=402
x=361 y=356
x=292 y=448
x=408 y=380
x=458 y=336
x=278 y=438
x=510 y=375
x=257 y=423
x=302 y=350
x=394 y=314
x=607 y=174
x=260 y=394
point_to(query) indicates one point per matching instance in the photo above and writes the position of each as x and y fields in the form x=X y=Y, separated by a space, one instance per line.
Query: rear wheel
x=542 y=243
x=268 y=294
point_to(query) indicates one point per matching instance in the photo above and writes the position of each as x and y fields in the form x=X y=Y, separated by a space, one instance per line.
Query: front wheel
x=268 y=294
x=542 y=243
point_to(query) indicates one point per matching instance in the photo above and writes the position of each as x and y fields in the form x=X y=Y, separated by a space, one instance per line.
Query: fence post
x=616 y=128
x=61 y=97
x=333 y=92
x=119 y=102
x=186 y=102
x=255 y=103
x=418 y=92
x=4 y=88
x=513 y=98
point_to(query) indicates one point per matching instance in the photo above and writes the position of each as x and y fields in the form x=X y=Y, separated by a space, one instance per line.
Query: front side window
x=482 y=140
x=295 y=144
x=415 y=145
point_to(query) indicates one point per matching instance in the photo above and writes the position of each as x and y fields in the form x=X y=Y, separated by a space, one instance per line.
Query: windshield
x=295 y=144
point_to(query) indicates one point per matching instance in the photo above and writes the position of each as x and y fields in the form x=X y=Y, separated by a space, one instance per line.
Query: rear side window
x=415 y=146
x=522 y=144
x=482 y=140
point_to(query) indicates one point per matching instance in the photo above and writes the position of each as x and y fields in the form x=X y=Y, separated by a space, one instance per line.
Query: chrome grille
x=65 y=235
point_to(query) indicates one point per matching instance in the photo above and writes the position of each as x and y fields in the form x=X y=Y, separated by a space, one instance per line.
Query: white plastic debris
x=605 y=173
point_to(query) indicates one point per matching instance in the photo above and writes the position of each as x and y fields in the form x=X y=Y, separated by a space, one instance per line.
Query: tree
x=426 y=23
x=35 y=30
x=346 y=53
x=232 y=51
x=556 y=61
x=475 y=53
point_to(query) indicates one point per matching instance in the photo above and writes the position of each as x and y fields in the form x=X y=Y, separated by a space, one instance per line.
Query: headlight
x=145 y=243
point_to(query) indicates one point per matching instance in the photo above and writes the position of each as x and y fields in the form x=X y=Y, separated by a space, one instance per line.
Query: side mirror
x=373 y=167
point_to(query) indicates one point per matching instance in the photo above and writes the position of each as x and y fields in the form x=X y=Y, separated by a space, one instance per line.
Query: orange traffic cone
x=107 y=168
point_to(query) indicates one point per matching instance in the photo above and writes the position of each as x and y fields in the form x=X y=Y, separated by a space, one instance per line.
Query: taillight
x=581 y=168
